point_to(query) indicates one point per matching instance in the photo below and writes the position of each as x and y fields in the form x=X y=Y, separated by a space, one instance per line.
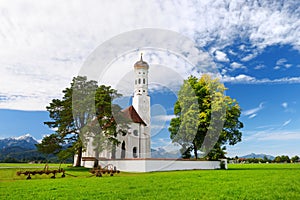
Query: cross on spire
x=141 y=56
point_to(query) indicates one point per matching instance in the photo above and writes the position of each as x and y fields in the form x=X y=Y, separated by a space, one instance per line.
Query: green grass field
x=248 y=181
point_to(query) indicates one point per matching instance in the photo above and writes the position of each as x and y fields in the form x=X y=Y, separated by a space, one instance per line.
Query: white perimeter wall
x=157 y=165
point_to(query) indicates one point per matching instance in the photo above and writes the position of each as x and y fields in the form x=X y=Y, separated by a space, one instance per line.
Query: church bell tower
x=141 y=103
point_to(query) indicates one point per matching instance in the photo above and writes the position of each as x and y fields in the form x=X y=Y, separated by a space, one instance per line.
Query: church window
x=135 y=82
x=135 y=132
x=134 y=152
x=143 y=72
x=144 y=81
x=113 y=152
x=139 y=81
x=144 y=90
x=123 y=152
x=124 y=133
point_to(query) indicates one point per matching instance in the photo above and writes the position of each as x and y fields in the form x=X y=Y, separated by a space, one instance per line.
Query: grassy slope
x=251 y=181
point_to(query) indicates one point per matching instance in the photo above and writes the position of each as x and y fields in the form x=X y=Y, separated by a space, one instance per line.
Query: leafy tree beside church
x=84 y=107
x=206 y=119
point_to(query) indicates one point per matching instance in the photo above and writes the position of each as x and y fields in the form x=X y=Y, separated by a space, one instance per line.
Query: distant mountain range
x=23 y=149
x=25 y=141
x=253 y=155
x=19 y=149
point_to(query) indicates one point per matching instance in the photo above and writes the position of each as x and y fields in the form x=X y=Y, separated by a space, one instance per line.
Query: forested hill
x=22 y=149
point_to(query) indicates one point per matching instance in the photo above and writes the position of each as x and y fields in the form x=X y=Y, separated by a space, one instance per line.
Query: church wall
x=132 y=140
x=89 y=152
x=150 y=165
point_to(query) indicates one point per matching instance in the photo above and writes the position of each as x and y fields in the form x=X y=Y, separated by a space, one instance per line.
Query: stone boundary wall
x=150 y=165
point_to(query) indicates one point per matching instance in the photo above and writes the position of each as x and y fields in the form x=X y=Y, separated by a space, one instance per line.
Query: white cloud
x=282 y=80
x=245 y=79
x=165 y=72
x=159 y=120
x=288 y=108
x=166 y=144
x=232 y=52
x=277 y=67
x=272 y=134
x=284 y=104
x=279 y=135
x=242 y=78
x=249 y=57
x=251 y=113
x=288 y=65
x=282 y=136
x=281 y=61
x=223 y=71
x=242 y=47
x=252 y=116
x=236 y=65
x=221 y=56
x=164 y=117
x=44 y=44
x=286 y=123
x=271 y=138
x=260 y=66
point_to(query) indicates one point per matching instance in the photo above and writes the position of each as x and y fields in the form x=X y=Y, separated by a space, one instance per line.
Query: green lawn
x=248 y=181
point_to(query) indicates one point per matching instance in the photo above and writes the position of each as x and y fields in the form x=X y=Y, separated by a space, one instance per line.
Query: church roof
x=131 y=114
x=141 y=64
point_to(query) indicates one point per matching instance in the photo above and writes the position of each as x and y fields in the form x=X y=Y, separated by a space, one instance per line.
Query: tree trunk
x=195 y=150
x=78 y=161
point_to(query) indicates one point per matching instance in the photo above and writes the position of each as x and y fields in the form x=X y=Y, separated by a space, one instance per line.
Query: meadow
x=240 y=181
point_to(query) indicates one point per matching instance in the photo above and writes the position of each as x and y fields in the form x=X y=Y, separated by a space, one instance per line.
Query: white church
x=135 y=142
x=133 y=154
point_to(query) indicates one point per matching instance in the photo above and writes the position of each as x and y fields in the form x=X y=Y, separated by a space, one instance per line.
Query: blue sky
x=254 y=45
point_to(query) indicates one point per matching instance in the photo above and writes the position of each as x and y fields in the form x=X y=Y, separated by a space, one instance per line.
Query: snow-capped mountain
x=23 y=149
x=253 y=155
x=24 y=141
x=26 y=137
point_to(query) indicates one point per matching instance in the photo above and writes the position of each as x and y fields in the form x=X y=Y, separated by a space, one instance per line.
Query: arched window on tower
x=135 y=82
x=139 y=81
x=144 y=81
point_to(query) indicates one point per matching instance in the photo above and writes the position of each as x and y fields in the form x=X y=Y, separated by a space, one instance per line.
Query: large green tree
x=295 y=159
x=51 y=144
x=84 y=109
x=206 y=119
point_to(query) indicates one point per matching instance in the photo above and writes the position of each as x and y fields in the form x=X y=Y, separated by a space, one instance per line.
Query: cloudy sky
x=254 y=46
